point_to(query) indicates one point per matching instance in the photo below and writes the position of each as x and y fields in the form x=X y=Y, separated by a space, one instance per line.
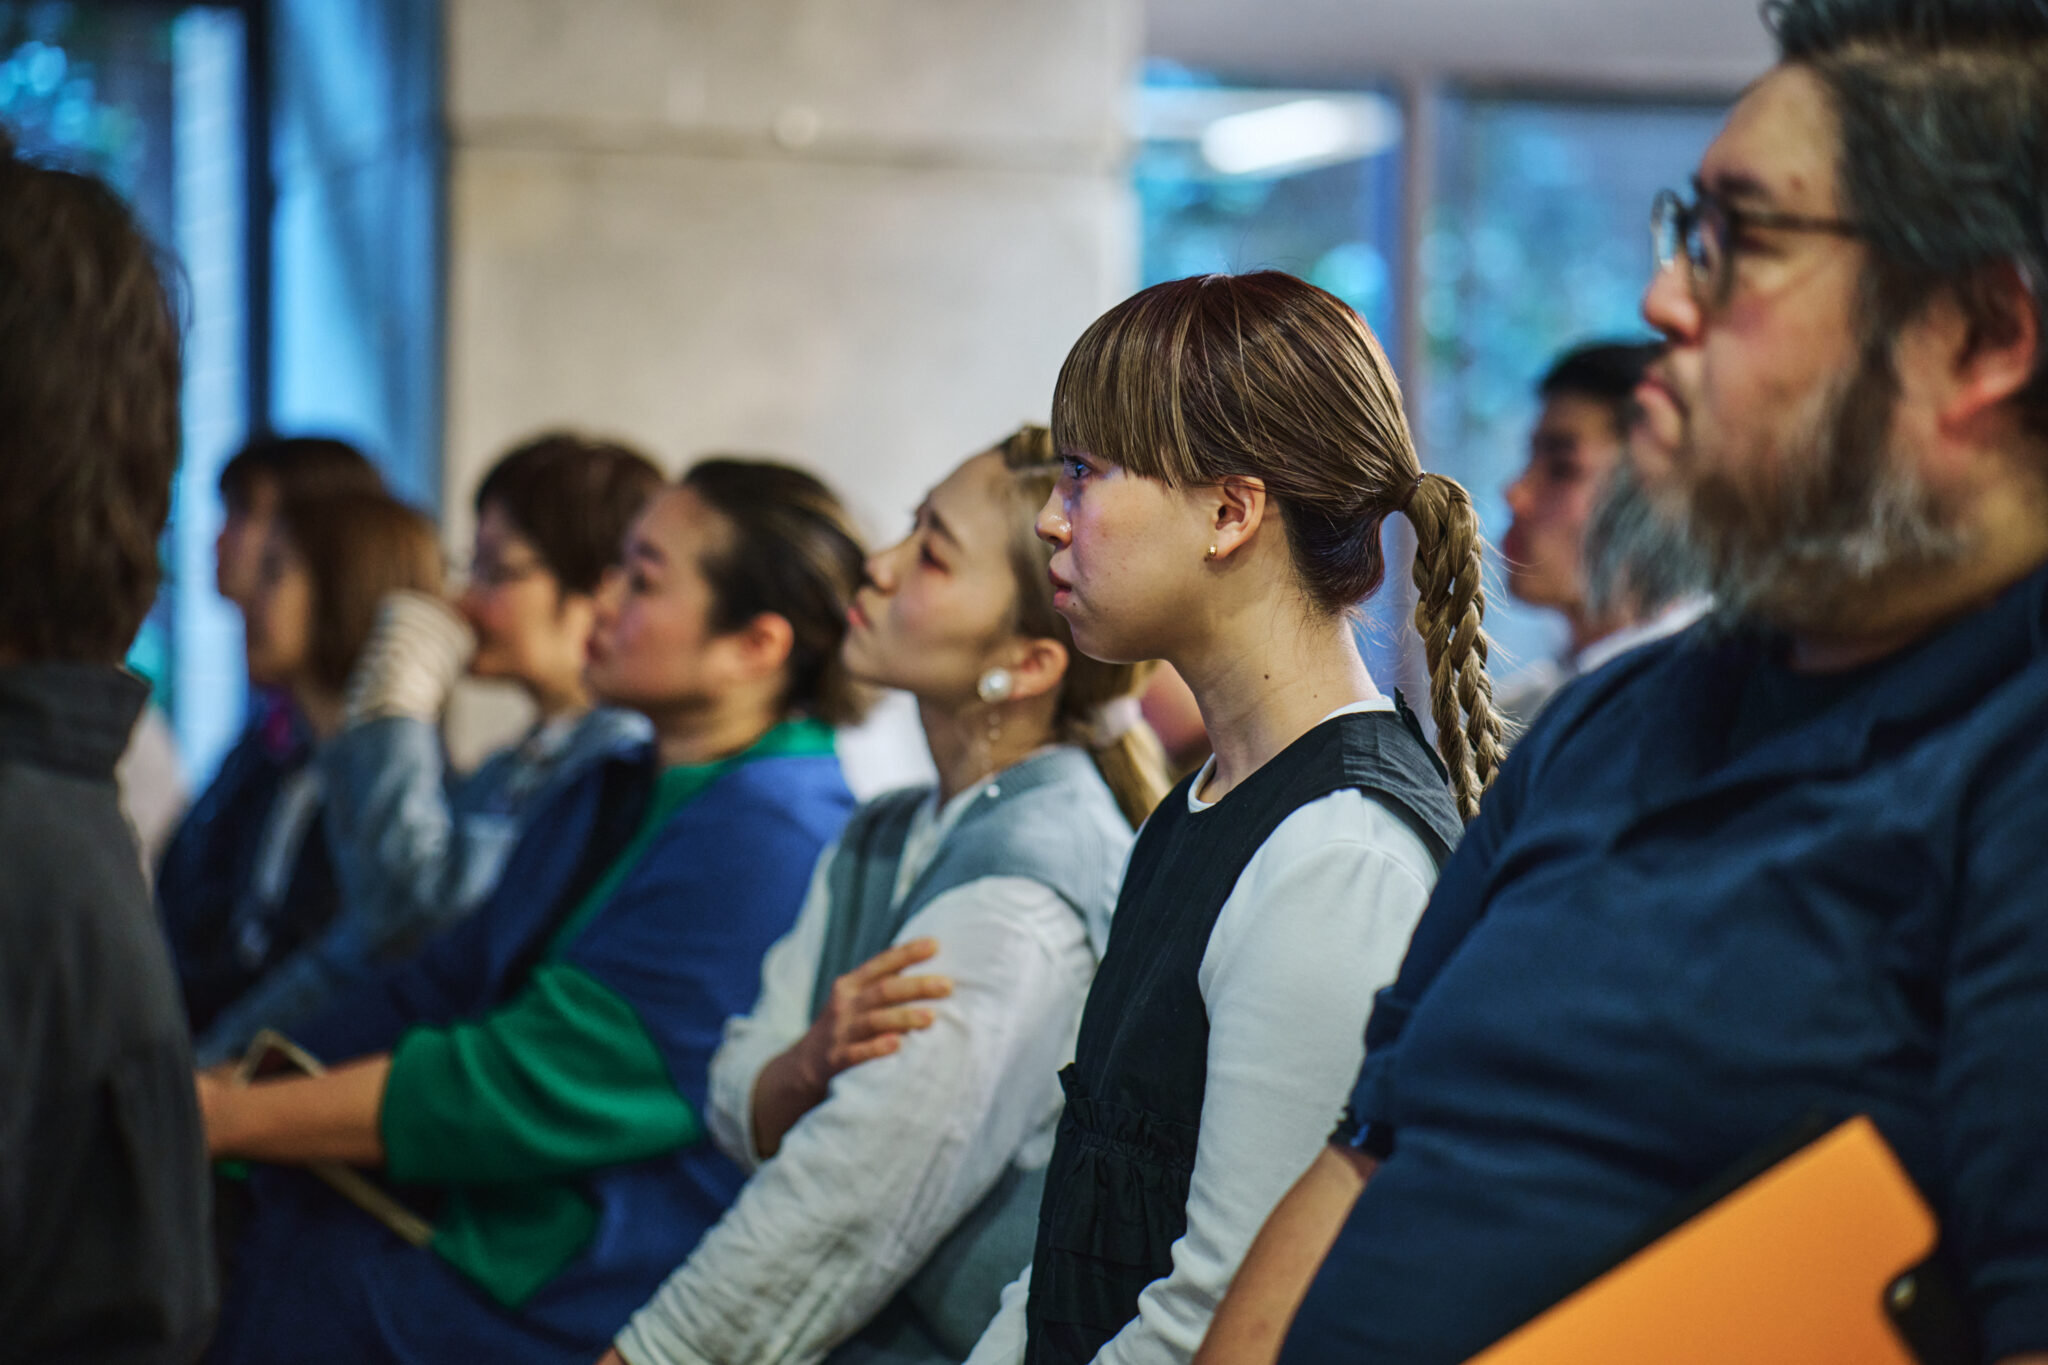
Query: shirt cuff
x=649 y=1340
x=1376 y=1140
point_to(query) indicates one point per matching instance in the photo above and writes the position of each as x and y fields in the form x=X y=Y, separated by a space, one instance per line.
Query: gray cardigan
x=1050 y=819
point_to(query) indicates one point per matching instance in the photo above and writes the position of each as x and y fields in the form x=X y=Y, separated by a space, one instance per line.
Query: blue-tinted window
x=150 y=97
x=1307 y=181
x=1539 y=239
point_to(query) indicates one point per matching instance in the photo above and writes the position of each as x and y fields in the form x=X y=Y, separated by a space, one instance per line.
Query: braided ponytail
x=1450 y=612
x=1265 y=375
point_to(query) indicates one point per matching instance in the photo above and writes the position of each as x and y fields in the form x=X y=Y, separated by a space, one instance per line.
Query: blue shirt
x=678 y=936
x=1707 y=901
x=413 y=852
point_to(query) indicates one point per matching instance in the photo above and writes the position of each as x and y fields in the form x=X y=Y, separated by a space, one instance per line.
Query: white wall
x=857 y=233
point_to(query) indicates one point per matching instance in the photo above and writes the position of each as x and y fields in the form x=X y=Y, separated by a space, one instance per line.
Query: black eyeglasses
x=1703 y=229
x=492 y=573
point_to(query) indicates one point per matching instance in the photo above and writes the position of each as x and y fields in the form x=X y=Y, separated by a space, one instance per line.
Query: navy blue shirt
x=1707 y=901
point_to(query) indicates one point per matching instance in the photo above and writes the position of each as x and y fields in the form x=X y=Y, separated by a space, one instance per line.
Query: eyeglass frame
x=491 y=574
x=1673 y=221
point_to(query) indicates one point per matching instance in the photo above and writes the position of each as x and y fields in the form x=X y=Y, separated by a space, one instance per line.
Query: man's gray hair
x=1637 y=563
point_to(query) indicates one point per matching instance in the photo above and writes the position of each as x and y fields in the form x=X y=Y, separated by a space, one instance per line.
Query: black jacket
x=104 y=1199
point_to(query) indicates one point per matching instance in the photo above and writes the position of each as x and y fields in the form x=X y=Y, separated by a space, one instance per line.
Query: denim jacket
x=414 y=852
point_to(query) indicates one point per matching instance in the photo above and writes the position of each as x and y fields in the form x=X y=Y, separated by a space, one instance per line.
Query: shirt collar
x=1929 y=682
x=75 y=717
x=799 y=738
x=1672 y=619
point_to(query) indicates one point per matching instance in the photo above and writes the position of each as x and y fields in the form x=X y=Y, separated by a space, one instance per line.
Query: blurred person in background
x=1789 y=868
x=890 y=1203
x=535 y=1083
x=211 y=858
x=415 y=846
x=328 y=562
x=1583 y=543
x=103 y=1186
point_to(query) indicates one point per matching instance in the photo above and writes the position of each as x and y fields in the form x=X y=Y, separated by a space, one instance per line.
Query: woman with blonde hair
x=1231 y=447
x=903 y=1195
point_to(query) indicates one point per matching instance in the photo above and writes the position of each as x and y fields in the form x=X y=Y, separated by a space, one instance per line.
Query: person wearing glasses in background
x=1790 y=867
x=416 y=847
x=1584 y=541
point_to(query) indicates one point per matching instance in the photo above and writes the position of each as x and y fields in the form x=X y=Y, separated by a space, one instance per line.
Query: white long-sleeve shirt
x=1317 y=923
x=869 y=1182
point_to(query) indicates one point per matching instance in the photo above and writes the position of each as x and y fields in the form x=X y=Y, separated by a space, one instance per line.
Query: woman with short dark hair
x=536 y=1082
x=102 y=1185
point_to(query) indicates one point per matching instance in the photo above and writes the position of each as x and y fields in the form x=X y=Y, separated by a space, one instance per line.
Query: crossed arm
x=298 y=1120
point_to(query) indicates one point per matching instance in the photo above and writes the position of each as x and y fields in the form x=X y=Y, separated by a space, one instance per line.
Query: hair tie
x=1409 y=496
x=1112 y=720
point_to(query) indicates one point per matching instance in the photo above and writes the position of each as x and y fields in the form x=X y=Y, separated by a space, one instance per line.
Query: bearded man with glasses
x=1788 y=865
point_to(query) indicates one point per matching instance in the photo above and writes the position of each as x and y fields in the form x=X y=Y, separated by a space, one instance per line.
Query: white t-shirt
x=868 y=1183
x=1318 y=922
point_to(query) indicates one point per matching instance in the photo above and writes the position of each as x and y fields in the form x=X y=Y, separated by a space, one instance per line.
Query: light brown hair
x=1125 y=750
x=1266 y=376
x=358 y=547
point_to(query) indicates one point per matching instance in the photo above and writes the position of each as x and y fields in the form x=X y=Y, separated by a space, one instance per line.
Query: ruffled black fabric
x=1116 y=1190
x=1119 y=1203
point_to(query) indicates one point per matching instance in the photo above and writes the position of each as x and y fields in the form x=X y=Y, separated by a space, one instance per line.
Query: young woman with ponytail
x=904 y=1193
x=1231 y=447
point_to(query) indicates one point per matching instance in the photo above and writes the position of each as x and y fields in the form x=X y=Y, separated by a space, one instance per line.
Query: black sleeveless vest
x=1116 y=1189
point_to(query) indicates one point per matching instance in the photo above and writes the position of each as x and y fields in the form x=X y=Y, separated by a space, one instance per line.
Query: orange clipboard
x=1793 y=1268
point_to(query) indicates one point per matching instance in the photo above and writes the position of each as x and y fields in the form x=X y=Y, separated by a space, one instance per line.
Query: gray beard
x=1847 y=515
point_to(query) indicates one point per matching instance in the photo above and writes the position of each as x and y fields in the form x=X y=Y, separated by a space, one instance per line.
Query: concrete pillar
x=857 y=233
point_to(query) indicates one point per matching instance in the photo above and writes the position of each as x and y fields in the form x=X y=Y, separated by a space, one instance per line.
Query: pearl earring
x=995 y=685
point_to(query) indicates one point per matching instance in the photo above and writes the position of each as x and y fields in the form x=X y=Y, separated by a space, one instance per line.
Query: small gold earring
x=1212 y=553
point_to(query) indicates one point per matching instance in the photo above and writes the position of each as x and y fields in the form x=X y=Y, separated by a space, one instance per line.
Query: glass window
x=1306 y=181
x=150 y=97
x=1539 y=239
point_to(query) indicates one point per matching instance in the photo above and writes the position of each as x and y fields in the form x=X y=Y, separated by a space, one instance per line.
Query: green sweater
x=562 y=1078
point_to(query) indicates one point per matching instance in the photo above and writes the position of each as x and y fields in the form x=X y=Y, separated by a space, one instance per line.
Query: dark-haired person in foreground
x=1791 y=868
x=416 y=848
x=1583 y=541
x=104 y=1209
x=534 y=1083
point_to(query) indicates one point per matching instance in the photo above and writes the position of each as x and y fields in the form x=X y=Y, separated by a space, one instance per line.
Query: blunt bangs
x=1120 y=393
